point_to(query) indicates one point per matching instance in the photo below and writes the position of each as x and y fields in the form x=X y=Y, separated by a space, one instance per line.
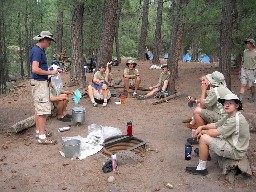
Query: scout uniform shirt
x=249 y=59
x=163 y=77
x=128 y=71
x=211 y=100
x=235 y=130
x=101 y=77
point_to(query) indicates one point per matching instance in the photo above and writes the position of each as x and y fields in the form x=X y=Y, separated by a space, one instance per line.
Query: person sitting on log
x=228 y=138
x=59 y=103
x=209 y=110
x=161 y=85
x=98 y=91
x=131 y=77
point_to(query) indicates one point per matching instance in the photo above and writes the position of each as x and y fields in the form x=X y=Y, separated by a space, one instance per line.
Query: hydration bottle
x=122 y=99
x=129 y=128
x=188 y=150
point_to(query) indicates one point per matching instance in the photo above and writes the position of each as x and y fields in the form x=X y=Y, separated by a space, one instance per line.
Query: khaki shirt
x=249 y=59
x=235 y=130
x=100 y=76
x=127 y=71
x=163 y=77
x=211 y=100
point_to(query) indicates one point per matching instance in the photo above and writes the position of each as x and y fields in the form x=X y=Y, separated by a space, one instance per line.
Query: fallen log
x=166 y=99
x=23 y=124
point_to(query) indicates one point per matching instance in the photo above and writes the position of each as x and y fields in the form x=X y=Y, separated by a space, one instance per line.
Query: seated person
x=209 y=110
x=161 y=85
x=98 y=90
x=131 y=77
x=60 y=102
x=228 y=138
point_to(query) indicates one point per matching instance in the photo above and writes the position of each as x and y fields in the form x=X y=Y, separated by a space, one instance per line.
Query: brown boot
x=187 y=120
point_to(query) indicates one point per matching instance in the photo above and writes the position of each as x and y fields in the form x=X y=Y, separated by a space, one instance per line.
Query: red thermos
x=129 y=128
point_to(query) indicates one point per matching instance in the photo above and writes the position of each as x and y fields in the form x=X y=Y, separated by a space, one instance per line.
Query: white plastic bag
x=108 y=132
x=93 y=127
x=57 y=83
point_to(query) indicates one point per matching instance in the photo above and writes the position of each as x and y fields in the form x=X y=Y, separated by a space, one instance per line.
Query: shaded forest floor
x=28 y=166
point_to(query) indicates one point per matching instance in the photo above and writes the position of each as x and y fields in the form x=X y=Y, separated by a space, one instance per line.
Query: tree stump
x=230 y=167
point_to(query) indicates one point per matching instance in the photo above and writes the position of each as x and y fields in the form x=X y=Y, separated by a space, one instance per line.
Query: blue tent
x=166 y=55
x=186 y=58
x=204 y=58
x=151 y=56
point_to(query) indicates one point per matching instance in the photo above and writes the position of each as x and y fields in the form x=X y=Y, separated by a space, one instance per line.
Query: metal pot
x=78 y=115
x=72 y=148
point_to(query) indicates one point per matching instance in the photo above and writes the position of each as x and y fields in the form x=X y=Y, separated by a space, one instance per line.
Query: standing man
x=40 y=89
x=248 y=70
x=131 y=77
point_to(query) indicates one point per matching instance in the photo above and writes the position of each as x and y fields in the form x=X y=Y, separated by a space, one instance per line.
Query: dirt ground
x=28 y=166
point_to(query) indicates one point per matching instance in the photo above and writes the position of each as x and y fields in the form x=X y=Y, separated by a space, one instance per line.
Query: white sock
x=201 y=165
x=105 y=100
x=37 y=131
x=42 y=136
x=92 y=100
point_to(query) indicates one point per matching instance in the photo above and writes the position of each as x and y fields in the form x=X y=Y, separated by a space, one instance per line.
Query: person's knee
x=104 y=87
x=197 y=111
x=138 y=79
x=205 y=139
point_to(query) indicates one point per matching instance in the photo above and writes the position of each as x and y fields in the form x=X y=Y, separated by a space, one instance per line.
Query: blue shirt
x=38 y=54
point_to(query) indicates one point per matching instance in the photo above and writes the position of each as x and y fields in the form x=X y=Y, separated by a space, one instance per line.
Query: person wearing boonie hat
x=248 y=70
x=131 y=77
x=98 y=91
x=209 y=110
x=228 y=138
x=161 y=85
x=40 y=89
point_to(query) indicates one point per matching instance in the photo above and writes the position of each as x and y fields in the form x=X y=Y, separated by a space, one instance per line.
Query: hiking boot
x=192 y=141
x=134 y=95
x=95 y=104
x=104 y=104
x=192 y=170
x=187 y=120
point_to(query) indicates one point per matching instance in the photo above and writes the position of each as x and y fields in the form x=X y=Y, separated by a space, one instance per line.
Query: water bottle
x=122 y=99
x=190 y=104
x=114 y=165
x=188 y=150
x=129 y=128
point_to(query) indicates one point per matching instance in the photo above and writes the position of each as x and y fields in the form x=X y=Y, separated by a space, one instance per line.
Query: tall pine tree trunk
x=176 y=44
x=118 y=14
x=143 y=32
x=20 y=47
x=195 y=47
x=158 y=36
x=27 y=40
x=59 y=32
x=227 y=21
x=107 y=38
x=77 y=74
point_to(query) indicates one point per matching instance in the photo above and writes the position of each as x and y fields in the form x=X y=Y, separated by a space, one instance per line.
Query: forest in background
x=216 y=28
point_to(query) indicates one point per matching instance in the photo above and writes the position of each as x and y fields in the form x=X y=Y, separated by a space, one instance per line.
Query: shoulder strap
x=236 y=135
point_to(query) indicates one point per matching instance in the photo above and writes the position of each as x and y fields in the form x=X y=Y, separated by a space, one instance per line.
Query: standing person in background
x=40 y=89
x=248 y=70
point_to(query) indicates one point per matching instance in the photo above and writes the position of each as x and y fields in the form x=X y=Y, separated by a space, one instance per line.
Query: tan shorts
x=248 y=76
x=98 y=95
x=41 y=95
x=210 y=116
x=222 y=148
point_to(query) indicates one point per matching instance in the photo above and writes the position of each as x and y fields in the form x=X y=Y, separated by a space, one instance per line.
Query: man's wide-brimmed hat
x=216 y=78
x=130 y=61
x=250 y=41
x=234 y=97
x=163 y=66
x=43 y=35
